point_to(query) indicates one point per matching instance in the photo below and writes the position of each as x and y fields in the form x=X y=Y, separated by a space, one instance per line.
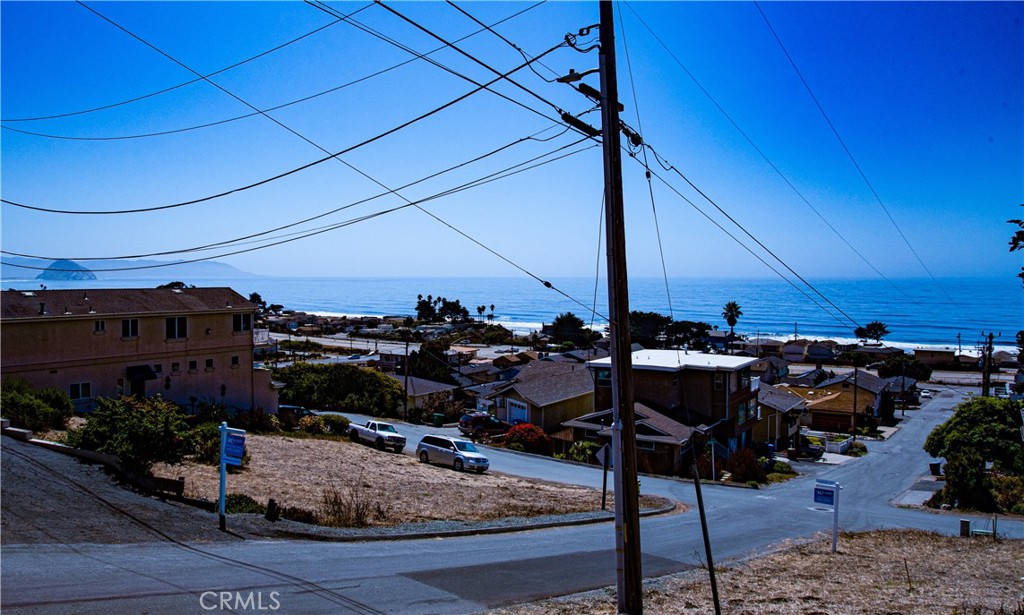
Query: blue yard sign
x=827 y=492
x=232 y=448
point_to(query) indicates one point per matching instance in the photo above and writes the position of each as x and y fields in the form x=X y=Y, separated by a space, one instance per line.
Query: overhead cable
x=764 y=156
x=186 y=83
x=849 y=154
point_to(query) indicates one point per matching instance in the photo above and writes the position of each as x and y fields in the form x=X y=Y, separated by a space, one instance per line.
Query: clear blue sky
x=928 y=98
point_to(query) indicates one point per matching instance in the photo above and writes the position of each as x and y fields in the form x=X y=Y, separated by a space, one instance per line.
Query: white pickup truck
x=382 y=435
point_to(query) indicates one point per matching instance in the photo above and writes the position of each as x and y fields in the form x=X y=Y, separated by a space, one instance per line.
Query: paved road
x=464 y=575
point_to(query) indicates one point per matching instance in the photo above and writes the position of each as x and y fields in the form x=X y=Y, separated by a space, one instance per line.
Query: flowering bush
x=530 y=437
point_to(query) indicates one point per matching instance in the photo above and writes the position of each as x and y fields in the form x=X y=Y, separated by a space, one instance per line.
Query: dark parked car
x=479 y=425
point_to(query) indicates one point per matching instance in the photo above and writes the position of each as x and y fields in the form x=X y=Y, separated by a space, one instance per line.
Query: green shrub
x=335 y=423
x=857 y=449
x=206 y=443
x=235 y=503
x=256 y=420
x=582 y=451
x=311 y=425
x=781 y=467
x=140 y=432
x=515 y=446
x=753 y=484
x=744 y=467
x=301 y=515
x=530 y=437
x=1009 y=493
x=36 y=410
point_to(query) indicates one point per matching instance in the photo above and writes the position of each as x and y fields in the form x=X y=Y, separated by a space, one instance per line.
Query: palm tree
x=480 y=309
x=731 y=313
x=490 y=317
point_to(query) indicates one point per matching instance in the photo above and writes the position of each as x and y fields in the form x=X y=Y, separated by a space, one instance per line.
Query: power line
x=280 y=175
x=469 y=185
x=746 y=232
x=252 y=236
x=472 y=57
x=257 y=112
x=764 y=156
x=186 y=83
x=647 y=174
x=849 y=154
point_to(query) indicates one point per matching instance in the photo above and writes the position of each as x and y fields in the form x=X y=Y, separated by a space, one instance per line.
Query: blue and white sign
x=234 y=447
x=827 y=492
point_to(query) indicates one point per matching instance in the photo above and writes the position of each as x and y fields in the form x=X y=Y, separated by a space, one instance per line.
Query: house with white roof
x=693 y=388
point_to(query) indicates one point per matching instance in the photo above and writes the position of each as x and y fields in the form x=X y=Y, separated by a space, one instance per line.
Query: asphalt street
x=469 y=574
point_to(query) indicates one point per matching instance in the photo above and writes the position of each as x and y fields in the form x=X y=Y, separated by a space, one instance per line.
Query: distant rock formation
x=66 y=270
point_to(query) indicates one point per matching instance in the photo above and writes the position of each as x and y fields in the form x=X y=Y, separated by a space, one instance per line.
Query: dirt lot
x=297 y=471
x=884 y=573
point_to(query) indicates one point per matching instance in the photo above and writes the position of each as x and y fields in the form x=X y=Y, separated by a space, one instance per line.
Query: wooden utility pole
x=627 y=509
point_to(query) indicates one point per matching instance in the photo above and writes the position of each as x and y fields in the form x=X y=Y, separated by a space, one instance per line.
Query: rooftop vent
x=42 y=308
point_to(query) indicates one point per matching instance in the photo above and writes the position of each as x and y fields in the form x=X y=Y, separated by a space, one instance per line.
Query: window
x=100 y=326
x=241 y=322
x=209 y=364
x=719 y=382
x=175 y=368
x=80 y=390
x=234 y=361
x=642 y=445
x=158 y=368
x=130 y=327
x=745 y=378
x=193 y=365
x=177 y=328
x=603 y=377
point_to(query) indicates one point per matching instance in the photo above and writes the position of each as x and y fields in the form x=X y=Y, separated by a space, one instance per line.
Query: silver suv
x=460 y=454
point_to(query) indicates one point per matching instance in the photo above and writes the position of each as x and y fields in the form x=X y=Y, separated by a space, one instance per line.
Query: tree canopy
x=982 y=429
x=654 y=330
x=568 y=327
x=340 y=387
x=874 y=330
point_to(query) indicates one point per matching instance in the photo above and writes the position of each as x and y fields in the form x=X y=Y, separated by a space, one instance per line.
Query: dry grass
x=885 y=573
x=296 y=472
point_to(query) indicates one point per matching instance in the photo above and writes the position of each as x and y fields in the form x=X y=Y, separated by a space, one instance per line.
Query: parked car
x=925 y=393
x=459 y=454
x=380 y=434
x=296 y=412
x=478 y=425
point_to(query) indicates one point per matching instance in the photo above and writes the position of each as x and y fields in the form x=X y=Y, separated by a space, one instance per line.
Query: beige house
x=189 y=345
x=546 y=394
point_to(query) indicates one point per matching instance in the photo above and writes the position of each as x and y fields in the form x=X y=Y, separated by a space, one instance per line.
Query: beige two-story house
x=189 y=345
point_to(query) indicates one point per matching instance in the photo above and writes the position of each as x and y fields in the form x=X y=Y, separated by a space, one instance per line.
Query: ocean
x=917 y=312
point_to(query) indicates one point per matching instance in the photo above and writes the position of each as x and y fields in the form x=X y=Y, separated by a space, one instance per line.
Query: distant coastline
x=918 y=316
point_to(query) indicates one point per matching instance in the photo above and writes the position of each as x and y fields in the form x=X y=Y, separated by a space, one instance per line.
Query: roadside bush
x=353 y=505
x=1009 y=493
x=311 y=425
x=206 y=443
x=582 y=451
x=36 y=410
x=294 y=513
x=857 y=449
x=744 y=467
x=530 y=437
x=335 y=423
x=256 y=420
x=235 y=503
x=140 y=432
x=515 y=446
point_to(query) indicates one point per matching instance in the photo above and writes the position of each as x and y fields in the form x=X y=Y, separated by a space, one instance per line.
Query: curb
x=669 y=507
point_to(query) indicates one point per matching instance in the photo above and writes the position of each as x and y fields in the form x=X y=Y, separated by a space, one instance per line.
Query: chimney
x=42 y=308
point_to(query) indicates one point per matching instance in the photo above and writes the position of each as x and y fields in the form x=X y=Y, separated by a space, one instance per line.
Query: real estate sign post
x=827 y=492
x=232 y=448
